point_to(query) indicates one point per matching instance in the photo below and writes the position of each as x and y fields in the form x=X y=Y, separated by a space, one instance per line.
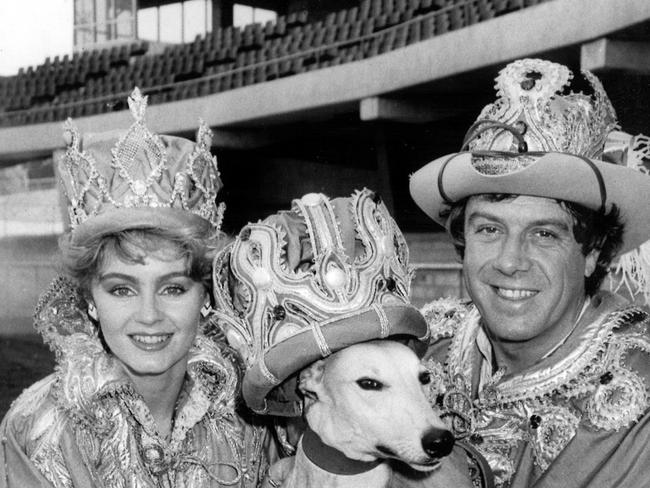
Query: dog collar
x=330 y=459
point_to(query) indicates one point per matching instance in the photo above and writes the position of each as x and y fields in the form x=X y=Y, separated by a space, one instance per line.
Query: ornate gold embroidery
x=444 y=316
x=551 y=427
x=619 y=400
x=91 y=399
x=536 y=407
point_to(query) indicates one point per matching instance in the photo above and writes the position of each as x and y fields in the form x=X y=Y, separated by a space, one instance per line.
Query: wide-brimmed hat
x=305 y=283
x=542 y=139
x=121 y=180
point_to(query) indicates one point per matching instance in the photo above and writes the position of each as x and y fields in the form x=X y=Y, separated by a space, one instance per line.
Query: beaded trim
x=152 y=171
x=535 y=407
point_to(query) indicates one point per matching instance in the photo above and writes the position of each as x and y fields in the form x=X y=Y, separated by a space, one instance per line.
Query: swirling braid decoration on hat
x=472 y=133
x=484 y=125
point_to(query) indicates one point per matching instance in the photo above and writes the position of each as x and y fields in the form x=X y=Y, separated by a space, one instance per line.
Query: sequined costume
x=85 y=425
x=579 y=417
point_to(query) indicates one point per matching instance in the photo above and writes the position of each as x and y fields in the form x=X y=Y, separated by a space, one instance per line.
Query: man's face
x=524 y=269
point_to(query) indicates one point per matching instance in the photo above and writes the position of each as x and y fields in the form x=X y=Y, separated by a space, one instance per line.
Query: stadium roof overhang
x=154 y=3
x=269 y=4
x=435 y=78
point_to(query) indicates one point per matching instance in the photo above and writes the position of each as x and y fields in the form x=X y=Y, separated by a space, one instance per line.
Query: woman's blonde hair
x=83 y=262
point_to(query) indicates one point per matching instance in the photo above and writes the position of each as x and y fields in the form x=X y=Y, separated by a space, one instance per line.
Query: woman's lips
x=150 y=342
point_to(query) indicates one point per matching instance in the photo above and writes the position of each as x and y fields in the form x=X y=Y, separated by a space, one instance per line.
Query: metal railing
x=465 y=5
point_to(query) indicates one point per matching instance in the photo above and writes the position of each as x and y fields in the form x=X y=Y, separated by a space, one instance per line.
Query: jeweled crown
x=336 y=263
x=140 y=169
x=536 y=111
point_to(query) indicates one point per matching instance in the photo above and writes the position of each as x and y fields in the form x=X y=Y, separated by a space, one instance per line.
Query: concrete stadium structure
x=368 y=122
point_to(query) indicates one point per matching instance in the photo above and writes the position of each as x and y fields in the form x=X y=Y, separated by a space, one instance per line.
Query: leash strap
x=480 y=471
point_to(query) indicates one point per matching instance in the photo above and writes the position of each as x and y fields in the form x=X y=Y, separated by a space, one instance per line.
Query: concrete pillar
x=385 y=188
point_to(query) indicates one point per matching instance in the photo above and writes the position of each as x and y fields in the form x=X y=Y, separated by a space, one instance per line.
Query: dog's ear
x=310 y=380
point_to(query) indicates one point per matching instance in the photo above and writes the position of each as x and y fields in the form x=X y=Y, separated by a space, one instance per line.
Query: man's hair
x=591 y=229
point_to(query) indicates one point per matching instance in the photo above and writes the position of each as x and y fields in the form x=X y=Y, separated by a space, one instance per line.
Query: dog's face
x=368 y=401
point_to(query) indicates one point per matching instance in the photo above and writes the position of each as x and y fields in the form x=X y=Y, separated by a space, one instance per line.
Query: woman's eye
x=174 y=290
x=370 y=384
x=122 y=291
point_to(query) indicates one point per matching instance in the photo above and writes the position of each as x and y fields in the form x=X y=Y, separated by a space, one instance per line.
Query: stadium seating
x=88 y=83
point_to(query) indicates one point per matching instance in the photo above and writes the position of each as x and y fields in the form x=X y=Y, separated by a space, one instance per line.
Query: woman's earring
x=206 y=309
x=92 y=311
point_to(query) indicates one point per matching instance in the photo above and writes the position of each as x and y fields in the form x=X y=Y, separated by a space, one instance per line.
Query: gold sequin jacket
x=86 y=426
x=579 y=417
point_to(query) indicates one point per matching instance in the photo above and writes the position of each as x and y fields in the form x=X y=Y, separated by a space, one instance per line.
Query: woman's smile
x=151 y=342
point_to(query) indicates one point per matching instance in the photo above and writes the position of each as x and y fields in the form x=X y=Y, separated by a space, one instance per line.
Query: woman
x=141 y=397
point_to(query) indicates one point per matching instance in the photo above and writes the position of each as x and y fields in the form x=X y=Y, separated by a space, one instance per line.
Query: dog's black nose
x=437 y=443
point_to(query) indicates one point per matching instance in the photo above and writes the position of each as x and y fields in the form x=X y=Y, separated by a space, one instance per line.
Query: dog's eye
x=425 y=377
x=369 y=384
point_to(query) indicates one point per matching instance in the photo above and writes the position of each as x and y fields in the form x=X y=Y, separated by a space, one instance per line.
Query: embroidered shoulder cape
x=85 y=425
x=578 y=418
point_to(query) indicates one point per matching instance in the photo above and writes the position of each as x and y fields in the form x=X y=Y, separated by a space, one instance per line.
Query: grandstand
x=328 y=96
x=94 y=82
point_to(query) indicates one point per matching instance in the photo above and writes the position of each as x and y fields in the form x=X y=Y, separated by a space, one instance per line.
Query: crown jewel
x=535 y=106
x=348 y=261
x=140 y=170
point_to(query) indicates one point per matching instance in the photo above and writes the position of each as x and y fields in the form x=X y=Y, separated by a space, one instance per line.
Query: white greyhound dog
x=367 y=403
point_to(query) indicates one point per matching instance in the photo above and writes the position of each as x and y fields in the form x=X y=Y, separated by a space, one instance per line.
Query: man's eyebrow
x=477 y=214
x=559 y=223
x=551 y=221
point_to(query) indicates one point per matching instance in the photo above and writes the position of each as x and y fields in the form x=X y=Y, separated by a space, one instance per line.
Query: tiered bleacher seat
x=94 y=82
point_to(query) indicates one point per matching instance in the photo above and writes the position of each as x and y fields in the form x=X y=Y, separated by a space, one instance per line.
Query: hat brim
x=291 y=355
x=552 y=175
x=122 y=219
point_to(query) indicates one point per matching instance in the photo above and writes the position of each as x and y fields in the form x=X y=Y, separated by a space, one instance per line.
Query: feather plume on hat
x=631 y=270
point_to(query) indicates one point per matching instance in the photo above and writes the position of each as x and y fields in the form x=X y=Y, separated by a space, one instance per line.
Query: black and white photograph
x=325 y=243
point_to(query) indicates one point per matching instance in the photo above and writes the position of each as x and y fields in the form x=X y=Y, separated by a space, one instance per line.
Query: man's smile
x=514 y=293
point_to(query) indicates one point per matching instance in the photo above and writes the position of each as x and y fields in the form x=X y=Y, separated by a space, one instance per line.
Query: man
x=546 y=375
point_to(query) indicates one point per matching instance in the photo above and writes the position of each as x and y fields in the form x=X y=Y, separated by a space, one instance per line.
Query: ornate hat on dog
x=303 y=284
x=138 y=179
x=541 y=139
